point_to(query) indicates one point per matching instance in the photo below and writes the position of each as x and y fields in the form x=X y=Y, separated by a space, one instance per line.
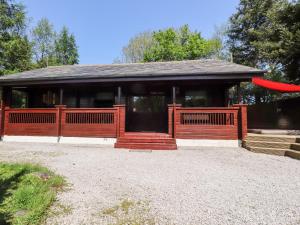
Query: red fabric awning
x=276 y=86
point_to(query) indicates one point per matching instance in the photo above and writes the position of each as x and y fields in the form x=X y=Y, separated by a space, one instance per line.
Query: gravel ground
x=195 y=186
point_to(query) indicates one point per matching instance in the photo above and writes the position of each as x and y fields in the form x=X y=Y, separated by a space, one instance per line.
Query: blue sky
x=103 y=27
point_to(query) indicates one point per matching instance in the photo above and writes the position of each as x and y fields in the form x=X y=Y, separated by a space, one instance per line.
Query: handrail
x=206 y=122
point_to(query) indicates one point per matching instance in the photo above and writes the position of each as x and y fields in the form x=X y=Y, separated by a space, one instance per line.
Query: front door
x=147 y=113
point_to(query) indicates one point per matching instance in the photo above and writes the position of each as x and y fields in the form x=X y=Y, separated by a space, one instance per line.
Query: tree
x=220 y=34
x=43 y=38
x=15 y=48
x=264 y=34
x=180 y=44
x=289 y=38
x=250 y=15
x=66 y=49
x=134 y=51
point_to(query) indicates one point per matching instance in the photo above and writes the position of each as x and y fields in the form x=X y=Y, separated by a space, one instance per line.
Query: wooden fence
x=31 y=122
x=89 y=122
x=61 y=121
x=206 y=123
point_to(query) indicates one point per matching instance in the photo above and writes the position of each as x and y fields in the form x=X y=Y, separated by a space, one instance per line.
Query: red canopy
x=276 y=86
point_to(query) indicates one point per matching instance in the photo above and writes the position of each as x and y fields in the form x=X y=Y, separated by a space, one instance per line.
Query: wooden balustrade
x=61 y=121
x=187 y=123
x=89 y=122
x=31 y=122
x=206 y=123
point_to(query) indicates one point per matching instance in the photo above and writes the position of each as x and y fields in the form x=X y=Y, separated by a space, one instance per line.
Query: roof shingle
x=164 y=69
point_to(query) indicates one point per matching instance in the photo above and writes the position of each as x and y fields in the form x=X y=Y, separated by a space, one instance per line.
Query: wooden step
x=147 y=140
x=149 y=146
x=270 y=151
x=275 y=151
x=267 y=144
x=293 y=154
x=273 y=138
x=147 y=134
x=283 y=145
x=295 y=146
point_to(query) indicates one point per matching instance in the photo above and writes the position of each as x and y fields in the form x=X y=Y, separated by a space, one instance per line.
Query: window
x=19 y=99
x=195 y=98
x=50 y=98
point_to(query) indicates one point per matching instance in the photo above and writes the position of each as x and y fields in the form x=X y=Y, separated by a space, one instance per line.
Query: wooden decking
x=222 y=123
x=146 y=140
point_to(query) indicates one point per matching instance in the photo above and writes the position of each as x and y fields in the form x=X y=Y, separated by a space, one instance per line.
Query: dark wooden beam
x=77 y=99
x=61 y=96
x=238 y=92
x=119 y=95
x=174 y=95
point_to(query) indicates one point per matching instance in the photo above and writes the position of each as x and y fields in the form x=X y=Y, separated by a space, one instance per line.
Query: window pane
x=195 y=98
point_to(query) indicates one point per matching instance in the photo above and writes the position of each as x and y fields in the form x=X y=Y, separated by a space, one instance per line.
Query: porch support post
x=172 y=119
x=174 y=95
x=238 y=92
x=59 y=120
x=61 y=96
x=2 y=116
x=119 y=95
x=243 y=124
x=5 y=102
x=226 y=93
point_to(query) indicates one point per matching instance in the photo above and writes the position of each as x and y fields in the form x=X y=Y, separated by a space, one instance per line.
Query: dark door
x=148 y=113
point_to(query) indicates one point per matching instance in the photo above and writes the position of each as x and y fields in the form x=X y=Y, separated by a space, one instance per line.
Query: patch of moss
x=129 y=212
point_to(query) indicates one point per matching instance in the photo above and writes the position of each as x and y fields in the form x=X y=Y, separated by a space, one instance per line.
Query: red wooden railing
x=206 y=123
x=61 y=121
x=31 y=122
x=89 y=122
x=187 y=123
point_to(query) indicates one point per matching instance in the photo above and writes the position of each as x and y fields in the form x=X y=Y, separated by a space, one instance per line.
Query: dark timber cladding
x=178 y=70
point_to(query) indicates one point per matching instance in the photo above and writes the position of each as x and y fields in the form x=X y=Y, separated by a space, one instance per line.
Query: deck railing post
x=243 y=125
x=121 y=120
x=59 y=119
x=172 y=119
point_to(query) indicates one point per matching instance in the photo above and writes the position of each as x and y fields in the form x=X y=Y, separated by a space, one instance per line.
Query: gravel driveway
x=199 y=186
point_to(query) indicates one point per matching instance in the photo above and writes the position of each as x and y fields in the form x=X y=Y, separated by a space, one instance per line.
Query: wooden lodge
x=141 y=105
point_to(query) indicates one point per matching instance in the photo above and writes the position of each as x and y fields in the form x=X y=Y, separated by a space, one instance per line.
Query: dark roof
x=165 y=70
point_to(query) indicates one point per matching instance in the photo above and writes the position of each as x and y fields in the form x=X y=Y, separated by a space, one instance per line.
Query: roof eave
x=146 y=77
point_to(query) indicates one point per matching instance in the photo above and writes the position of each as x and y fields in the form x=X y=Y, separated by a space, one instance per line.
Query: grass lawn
x=26 y=192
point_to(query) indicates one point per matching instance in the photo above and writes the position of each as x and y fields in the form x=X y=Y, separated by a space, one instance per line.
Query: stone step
x=273 y=138
x=267 y=144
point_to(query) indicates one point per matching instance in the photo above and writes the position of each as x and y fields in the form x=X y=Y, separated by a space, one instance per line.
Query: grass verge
x=26 y=193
